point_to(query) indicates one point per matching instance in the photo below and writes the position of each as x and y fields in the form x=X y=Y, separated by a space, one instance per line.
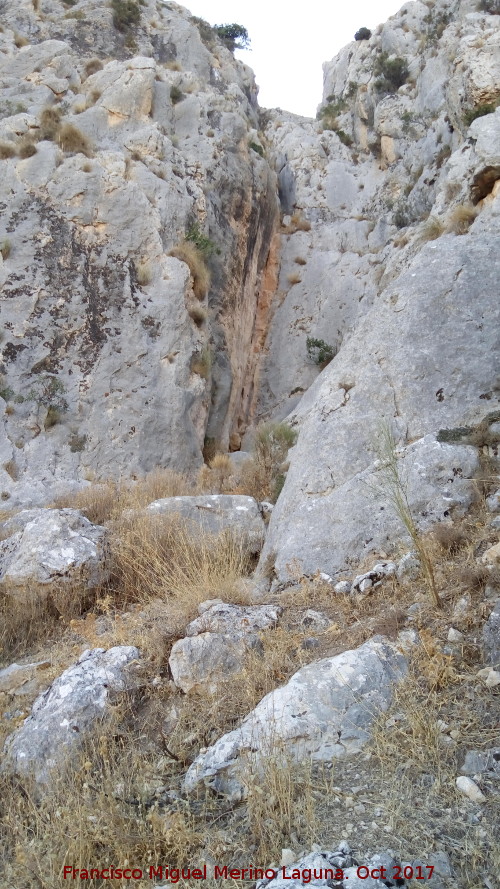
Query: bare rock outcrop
x=64 y=715
x=325 y=710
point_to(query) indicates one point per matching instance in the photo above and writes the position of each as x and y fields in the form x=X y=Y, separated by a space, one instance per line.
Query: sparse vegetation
x=298 y=223
x=391 y=73
x=293 y=278
x=363 y=34
x=7 y=150
x=393 y=487
x=460 y=219
x=50 y=122
x=201 y=363
x=26 y=148
x=319 y=352
x=198 y=314
x=478 y=111
x=126 y=14
x=202 y=242
x=176 y=94
x=144 y=274
x=431 y=229
x=5 y=248
x=93 y=66
x=264 y=474
x=20 y=40
x=257 y=148
x=189 y=253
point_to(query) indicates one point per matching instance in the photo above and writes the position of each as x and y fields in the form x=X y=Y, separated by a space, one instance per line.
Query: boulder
x=216 y=513
x=325 y=710
x=217 y=643
x=64 y=715
x=51 y=547
x=222 y=617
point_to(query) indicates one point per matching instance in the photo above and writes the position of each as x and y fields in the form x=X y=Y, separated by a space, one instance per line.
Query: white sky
x=290 y=43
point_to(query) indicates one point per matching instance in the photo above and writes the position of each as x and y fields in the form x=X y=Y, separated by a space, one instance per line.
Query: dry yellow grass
x=187 y=252
x=293 y=278
x=460 y=219
x=71 y=139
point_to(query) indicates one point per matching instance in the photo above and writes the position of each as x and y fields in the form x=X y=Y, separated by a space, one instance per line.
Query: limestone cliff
x=116 y=143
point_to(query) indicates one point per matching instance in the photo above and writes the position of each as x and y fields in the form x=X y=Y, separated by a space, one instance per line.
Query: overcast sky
x=290 y=43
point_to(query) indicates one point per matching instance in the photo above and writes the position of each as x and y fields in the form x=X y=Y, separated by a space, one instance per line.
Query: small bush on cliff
x=363 y=34
x=126 y=14
x=479 y=111
x=50 y=122
x=319 y=352
x=234 y=36
x=263 y=476
x=491 y=6
x=392 y=73
x=7 y=150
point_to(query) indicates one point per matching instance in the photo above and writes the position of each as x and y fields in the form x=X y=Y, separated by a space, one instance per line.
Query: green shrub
x=6 y=393
x=272 y=443
x=363 y=34
x=393 y=73
x=201 y=242
x=234 y=36
x=176 y=95
x=256 y=147
x=479 y=111
x=126 y=14
x=319 y=352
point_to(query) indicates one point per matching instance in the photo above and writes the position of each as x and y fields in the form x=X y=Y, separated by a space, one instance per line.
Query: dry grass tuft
x=144 y=274
x=201 y=363
x=460 y=219
x=187 y=252
x=93 y=66
x=431 y=229
x=26 y=148
x=107 y=501
x=298 y=223
x=449 y=538
x=71 y=139
x=263 y=475
x=50 y=121
x=198 y=314
x=293 y=278
x=155 y=557
x=7 y=150
x=300 y=260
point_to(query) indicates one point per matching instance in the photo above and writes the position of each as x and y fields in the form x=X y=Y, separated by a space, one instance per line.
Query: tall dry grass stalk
x=392 y=486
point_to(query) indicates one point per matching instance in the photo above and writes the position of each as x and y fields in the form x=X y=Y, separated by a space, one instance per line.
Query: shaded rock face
x=102 y=344
x=324 y=711
x=63 y=716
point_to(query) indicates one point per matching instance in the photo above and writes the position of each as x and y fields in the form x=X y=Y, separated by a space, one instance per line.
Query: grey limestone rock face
x=491 y=637
x=420 y=360
x=51 y=546
x=216 y=513
x=99 y=318
x=324 y=711
x=238 y=619
x=62 y=717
